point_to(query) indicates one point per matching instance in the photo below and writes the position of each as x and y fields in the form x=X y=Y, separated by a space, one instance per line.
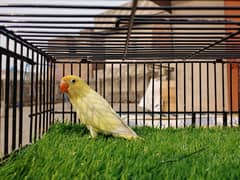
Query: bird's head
x=71 y=85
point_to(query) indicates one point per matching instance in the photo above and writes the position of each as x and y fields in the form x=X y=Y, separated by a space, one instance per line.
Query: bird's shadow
x=79 y=130
x=70 y=129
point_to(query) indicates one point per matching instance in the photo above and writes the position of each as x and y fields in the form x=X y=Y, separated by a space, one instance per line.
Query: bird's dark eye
x=73 y=80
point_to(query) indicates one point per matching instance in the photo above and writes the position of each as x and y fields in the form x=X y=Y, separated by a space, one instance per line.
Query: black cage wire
x=162 y=63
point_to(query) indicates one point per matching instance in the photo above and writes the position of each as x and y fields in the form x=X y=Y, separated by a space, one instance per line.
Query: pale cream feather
x=95 y=112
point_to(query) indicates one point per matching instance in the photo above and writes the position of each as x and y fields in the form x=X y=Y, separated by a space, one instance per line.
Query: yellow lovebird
x=93 y=110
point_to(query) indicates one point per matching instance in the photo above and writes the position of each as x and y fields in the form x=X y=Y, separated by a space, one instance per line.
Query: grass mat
x=67 y=152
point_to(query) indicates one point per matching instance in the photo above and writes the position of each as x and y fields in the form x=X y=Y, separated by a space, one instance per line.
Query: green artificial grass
x=67 y=152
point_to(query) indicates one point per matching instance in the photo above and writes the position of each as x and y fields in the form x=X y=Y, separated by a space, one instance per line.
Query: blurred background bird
x=93 y=110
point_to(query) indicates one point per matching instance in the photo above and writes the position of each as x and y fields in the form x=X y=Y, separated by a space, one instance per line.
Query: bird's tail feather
x=126 y=133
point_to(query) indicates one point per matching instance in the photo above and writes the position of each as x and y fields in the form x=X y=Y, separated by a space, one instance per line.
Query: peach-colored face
x=69 y=83
x=64 y=87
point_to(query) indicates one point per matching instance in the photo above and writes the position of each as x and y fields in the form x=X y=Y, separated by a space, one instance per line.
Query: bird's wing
x=96 y=112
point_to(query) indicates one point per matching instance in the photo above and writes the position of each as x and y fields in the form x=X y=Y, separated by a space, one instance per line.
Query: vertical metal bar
x=51 y=94
x=36 y=98
x=120 y=89
x=21 y=100
x=153 y=69
x=168 y=66
x=44 y=94
x=63 y=95
x=75 y=117
x=88 y=71
x=193 y=119
x=112 y=85
x=200 y=94
x=238 y=95
x=40 y=98
x=28 y=57
x=176 y=95
x=208 y=95
x=14 y=100
x=193 y=113
x=224 y=119
x=96 y=76
x=184 y=93
x=75 y=114
x=54 y=85
x=144 y=89
x=80 y=75
x=128 y=93
x=136 y=111
x=80 y=69
x=223 y=97
x=31 y=100
x=104 y=80
x=215 y=93
x=231 y=100
x=1 y=84
x=71 y=108
x=47 y=122
x=6 y=108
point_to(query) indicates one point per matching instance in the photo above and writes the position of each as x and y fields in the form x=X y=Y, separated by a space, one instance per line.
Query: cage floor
x=67 y=152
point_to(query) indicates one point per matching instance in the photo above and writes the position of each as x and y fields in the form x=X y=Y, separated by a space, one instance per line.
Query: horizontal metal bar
x=77 y=61
x=40 y=6
x=118 y=33
x=215 y=43
x=122 y=16
x=150 y=55
x=143 y=52
x=117 y=40
x=183 y=112
x=107 y=37
x=38 y=113
x=57 y=27
x=141 y=59
x=78 y=44
x=139 y=48
x=122 y=37
x=120 y=28
x=120 y=7
x=145 y=56
x=92 y=53
x=64 y=46
x=125 y=22
x=166 y=112
x=72 y=49
x=149 y=39
x=176 y=16
x=17 y=56
x=118 y=46
x=119 y=43
x=9 y=34
x=54 y=22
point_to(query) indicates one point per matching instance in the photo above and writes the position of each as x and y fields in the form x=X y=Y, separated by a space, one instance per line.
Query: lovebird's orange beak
x=64 y=87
